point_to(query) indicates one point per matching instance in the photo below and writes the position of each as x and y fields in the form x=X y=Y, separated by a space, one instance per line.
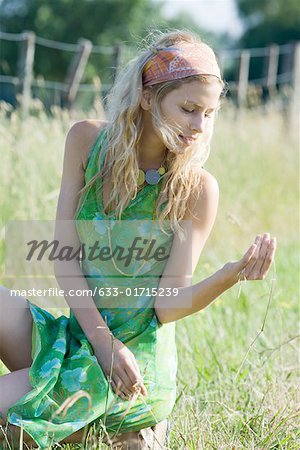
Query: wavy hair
x=125 y=127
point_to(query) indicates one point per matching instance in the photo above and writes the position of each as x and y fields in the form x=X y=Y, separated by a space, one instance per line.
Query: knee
x=8 y=300
x=4 y=293
x=131 y=440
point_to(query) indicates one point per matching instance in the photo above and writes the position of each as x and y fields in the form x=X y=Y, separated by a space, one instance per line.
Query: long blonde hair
x=124 y=129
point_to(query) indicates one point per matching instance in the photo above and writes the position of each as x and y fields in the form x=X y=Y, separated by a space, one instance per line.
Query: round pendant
x=161 y=170
x=141 y=178
x=152 y=176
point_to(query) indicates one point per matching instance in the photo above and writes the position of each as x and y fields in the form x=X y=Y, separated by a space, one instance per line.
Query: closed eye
x=187 y=110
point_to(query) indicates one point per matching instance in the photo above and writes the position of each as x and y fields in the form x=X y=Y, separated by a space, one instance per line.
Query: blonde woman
x=140 y=176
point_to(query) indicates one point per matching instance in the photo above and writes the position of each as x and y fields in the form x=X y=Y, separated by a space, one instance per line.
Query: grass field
x=238 y=359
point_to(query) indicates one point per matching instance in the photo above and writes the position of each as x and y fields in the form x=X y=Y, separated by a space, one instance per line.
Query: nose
x=198 y=124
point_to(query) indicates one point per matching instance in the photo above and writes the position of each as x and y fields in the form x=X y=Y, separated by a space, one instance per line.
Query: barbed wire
x=108 y=50
x=56 y=45
x=223 y=54
x=282 y=78
x=256 y=51
x=12 y=36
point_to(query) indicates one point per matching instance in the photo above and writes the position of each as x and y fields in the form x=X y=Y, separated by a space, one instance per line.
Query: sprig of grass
x=227 y=401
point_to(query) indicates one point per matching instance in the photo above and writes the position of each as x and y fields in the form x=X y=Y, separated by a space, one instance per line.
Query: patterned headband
x=184 y=60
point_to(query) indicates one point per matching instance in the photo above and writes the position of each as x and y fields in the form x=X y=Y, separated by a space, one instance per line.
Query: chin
x=181 y=148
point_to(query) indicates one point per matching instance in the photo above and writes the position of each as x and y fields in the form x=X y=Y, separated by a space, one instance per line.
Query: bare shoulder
x=209 y=184
x=82 y=136
x=207 y=195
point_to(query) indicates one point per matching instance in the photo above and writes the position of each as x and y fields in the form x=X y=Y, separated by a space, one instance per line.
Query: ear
x=146 y=100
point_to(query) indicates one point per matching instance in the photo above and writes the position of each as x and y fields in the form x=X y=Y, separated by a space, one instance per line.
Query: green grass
x=237 y=383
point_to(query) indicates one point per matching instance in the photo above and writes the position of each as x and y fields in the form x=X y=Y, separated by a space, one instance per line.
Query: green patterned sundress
x=64 y=364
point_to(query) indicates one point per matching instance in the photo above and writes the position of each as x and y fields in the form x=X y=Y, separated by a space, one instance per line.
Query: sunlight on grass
x=221 y=403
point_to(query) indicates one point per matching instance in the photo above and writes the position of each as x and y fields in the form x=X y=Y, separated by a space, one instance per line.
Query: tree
x=269 y=21
x=104 y=22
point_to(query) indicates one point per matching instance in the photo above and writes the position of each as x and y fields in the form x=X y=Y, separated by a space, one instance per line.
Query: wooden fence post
x=295 y=100
x=222 y=60
x=287 y=63
x=116 y=61
x=25 y=69
x=271 y=68
x=243 y=77
x=76 y=71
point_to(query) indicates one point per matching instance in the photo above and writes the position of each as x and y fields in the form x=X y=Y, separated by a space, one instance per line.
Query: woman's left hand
x=255 y=263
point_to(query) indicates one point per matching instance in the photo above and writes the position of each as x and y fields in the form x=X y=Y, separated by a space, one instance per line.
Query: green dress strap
x=69 y=388
x=93 y=158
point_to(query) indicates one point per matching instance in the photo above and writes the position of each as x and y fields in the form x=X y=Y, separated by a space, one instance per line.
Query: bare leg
x=16 y=328
x=13 y=386
x=129 y=441
x=125 y=441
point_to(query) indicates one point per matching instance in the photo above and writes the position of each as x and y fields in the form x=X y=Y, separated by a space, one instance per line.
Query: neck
x=150 y=151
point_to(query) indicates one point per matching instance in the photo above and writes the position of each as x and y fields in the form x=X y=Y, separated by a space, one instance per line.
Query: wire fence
x=279 y=66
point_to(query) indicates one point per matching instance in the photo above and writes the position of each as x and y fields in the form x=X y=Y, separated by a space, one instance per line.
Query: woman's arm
x=69 y=274
x=184 y=258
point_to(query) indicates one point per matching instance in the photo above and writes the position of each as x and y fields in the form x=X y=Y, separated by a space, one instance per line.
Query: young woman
x=140 y=175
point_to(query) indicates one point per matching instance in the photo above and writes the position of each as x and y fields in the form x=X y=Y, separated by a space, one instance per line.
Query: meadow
x=238 y=359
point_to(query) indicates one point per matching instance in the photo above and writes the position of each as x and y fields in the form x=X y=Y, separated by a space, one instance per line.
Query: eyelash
x=189 y=112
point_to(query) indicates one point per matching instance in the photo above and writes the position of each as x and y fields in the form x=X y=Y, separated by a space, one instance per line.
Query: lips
x=187 y=139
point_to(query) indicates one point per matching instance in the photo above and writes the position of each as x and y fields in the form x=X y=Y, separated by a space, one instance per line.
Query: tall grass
x=238 y=359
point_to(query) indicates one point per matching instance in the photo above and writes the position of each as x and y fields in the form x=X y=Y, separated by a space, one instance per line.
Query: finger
x=269 y=258
x=117 y=391
x=252 y=260
x=117 y=383
x=256 y=268
x=123 y=383
x=241 y=265
x=262 y=255
x=114 y=387
x=135 y=376
x=137 y=382
x=248 y=255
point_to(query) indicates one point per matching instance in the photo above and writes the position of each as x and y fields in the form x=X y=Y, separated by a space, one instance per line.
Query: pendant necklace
x=151 y=176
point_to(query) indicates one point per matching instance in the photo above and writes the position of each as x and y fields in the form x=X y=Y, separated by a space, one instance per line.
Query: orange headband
x=184 y=60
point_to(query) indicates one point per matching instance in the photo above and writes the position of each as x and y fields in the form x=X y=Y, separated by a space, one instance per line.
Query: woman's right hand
x=256 y=262
x=126 y=378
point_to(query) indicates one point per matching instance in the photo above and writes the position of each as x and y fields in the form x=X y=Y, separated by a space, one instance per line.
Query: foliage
x=104 y=22
x=269 y=21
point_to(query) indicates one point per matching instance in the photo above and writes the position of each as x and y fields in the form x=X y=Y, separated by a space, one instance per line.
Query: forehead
x=198 y=92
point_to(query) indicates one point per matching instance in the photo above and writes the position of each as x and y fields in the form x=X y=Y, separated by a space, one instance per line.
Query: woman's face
x=190 y=110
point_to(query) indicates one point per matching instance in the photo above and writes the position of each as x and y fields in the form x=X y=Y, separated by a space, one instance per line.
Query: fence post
x=295 y=99
x=243 y=77
x=76 y=71
x=271 y=68
x=222 y=60
x=116 y=61
x=25 y=69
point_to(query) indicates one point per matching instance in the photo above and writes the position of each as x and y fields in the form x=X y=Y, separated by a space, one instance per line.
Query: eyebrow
x=199 y=106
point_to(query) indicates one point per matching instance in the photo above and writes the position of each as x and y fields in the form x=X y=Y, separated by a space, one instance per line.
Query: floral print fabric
x=69 y=388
